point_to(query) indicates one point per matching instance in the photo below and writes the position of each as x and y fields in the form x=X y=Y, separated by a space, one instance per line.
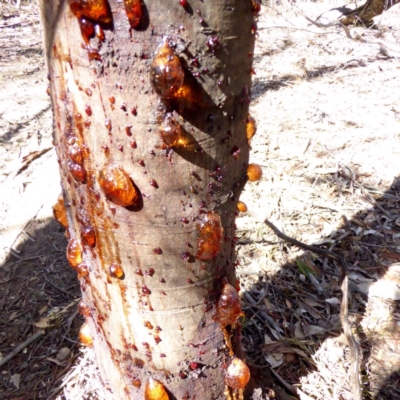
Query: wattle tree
x=150 y=101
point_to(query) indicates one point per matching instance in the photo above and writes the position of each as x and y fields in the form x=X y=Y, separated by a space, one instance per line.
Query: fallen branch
x=21 y=347
x=344 y=306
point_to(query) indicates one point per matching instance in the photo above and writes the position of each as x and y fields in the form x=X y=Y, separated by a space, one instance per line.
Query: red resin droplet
x=136 y=382
x=256 y=6
x=154 y=183
x=88 y=110
x=145 y=290
x=83 y=309
x=228 y=307
x=210 y=236
x=148 y=325
x=158 y=250
x=128 y=130
x=60 y=212
x=116 y=270
x=235 y=152
x=117 y=185
x=134 y=12
x=108 y=124
x=237 y=374
x=166 y=72
x=74 y=253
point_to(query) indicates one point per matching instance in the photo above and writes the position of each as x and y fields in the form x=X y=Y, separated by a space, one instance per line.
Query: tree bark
x=365 y=13
x=150 y=257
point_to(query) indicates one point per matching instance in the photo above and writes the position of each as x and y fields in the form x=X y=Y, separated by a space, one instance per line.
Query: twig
x=21 y=347
x=344 y=306
x=291 y=389
x=58 y=287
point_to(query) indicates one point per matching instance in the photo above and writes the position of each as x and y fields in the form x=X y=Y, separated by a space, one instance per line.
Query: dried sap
x=210 y=236
x=60 y=212
x=117 y=185
x=254 y=172
x=170 y=132
x=155 y=390
x=134 y=12
x=238 y=374
x=228 y=306
x=74 y=253
x=166 y=72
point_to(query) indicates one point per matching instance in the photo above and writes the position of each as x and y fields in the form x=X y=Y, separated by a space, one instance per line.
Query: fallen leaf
x=275 y=360
x=333 y=301
x=15 y=379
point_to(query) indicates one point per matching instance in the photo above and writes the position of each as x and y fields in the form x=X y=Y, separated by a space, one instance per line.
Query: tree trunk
x=365 y=13
x=150 y=103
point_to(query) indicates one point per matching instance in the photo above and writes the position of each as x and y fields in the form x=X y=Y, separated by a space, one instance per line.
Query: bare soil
x=326 y=102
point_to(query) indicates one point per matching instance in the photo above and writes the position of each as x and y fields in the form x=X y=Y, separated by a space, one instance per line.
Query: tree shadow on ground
x=37 y=285
x=292 y=332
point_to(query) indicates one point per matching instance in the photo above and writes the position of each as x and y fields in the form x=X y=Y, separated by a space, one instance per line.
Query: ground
x=327 y=108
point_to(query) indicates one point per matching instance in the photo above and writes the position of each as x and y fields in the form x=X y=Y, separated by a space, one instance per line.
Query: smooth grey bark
x=159 y=319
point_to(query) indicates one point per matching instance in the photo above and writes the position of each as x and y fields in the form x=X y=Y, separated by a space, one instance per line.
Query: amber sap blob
x=83 y=309
x=210 y=236
x=241 y=206
x=88 y=236
x=155 y=390
x=75 y=153
x=134 y=12
x=238 y=374
x=84 y=335
x=166 y=72
x=170 y=132
x=96 y=10
x=117 y=185
x=87 y=29
x=116 y=271
x=74 y=253
x=251 y=127
x=228 y=306
x=254 y=172
x=60 y=212
x=77 y=171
